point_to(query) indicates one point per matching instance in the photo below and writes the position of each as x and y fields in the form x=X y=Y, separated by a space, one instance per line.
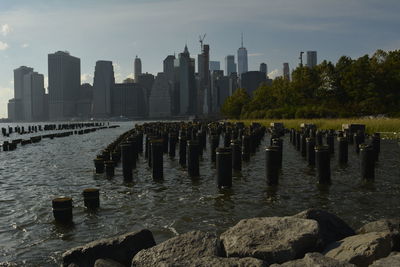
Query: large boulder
x=312 y=260
x=361 y=250
x=227 y=262
x=272 y=239
x=385 y=225
x=180 y=250
x=121 y=249
x=107 y=263
x=392 y=260
x=331 y=227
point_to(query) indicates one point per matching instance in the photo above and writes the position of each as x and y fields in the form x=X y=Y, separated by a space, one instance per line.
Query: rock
x=392 y=260
x=8 y=264
x=107 y=263
x=361 y=250
x=272 y=239
x=227 y=262
x=332 y=228
x=312 y=260
x=180 y=250
x=385 y=225
x=121 y=248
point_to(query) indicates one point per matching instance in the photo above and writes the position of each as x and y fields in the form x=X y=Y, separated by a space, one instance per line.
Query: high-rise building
x=311 y=59
x=33 y=97
x=230 y=65
x=103 y=83
x=138 y=67
x=168 y=67
x=84 y=103
x=187 y=85
x=242 y=60
x=203 y=88
x=64 y=84
x=263 y=68
x=15 y=105
x=128 y=100
x=215 y=65
x=286 y=71
x=19 y=80
x=146 y=80
x=251 y=80
x=160 y=97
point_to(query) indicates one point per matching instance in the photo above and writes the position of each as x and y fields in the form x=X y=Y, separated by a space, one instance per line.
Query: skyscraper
x=168 y=67
x=263 y=68
x=242 y=59
x=230 y=65
x=160 y=97
x=187 y=85
x=64 y=84
x=203 y=79
x=311 y=59
x=215 y=65
x=138 y=67
x=15 y=105
x=103 y=83
x=286 y=71
x=33 y=96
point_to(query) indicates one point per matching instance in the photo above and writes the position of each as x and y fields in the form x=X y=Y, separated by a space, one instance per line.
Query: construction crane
x=201 y=39
x=301 y=58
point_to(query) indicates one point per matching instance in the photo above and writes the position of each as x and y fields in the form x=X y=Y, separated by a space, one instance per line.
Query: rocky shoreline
x=310 y=238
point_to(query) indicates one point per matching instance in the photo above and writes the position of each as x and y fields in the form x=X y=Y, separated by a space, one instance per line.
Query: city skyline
x=274 y=33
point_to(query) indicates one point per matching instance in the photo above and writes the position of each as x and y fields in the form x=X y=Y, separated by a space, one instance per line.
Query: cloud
x=3 y=46
x=274 y=73
x=25 y=45
x=5 y=29
x=86 y=78
x=255 y=54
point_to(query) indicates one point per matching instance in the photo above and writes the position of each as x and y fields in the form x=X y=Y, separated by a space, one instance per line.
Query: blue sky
x=275 y=31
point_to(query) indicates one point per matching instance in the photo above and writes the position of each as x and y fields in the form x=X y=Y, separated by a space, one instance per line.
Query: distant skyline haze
x=274 y=32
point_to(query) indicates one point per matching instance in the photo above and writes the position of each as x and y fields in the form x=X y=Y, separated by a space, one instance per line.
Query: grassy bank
x=387 y=126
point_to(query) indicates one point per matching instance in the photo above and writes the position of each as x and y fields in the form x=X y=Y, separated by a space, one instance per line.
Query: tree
x=234 y=104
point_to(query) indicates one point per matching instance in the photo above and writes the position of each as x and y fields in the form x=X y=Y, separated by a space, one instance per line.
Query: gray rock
x=392 y=260
x=227 y=262
x=107 y=263
x=121 y=248
x=384 y=225
x=312 y=260
x=332 y=228
x=272 y=239
x=180 y=250
x=8 y=264
x=361 y=250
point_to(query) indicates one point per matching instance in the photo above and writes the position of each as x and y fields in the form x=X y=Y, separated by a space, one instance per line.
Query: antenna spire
x=242 y=39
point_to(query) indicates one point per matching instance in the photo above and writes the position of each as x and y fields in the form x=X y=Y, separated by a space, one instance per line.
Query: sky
x=275 y=31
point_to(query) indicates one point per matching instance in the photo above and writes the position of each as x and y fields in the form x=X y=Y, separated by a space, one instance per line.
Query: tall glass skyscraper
x=230 y=65
x=103 y=83
x=311 y=59
x=242 y=59
x=138 y=67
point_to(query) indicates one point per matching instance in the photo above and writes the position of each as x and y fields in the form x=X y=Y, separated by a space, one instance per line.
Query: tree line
x=350 y=88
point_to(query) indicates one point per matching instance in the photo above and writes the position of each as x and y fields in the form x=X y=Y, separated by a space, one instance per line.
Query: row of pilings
x=229 y=145
x=80 y=129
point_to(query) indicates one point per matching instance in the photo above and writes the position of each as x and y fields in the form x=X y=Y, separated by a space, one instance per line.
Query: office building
x=14 y=109
x=230 y=65
x=251 y=80
x=160 y=97
x=203 y=81
x=242 y=60
x=216 y=75
x=168 y=68
x=187 y=85
x=146 y=80
x=263 y=69
x=311 y=59
x=19 y=74
x=128 y=100
x=84 y=103
x=215 y=65
x=33 y=97
x=138 y=67
x=103 y=83
x=286 y=71
x=64 y=83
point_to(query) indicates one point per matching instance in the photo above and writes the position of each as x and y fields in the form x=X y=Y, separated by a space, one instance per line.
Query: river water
x=34 y=174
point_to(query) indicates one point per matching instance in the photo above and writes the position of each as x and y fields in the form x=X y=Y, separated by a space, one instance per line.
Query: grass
x=388 y=127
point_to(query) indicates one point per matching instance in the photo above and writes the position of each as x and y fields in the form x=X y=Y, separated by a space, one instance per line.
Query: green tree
x=233 y=105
